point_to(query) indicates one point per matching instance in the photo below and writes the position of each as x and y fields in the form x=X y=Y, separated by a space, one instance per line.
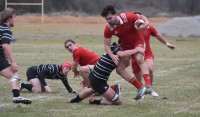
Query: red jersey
x=150 y=31
x=128 y=35
x=85 y=57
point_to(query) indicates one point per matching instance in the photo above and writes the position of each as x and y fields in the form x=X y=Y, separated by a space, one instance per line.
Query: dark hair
x=6 y=14
x=137 y=12
x=108 y=9
x=69 y=40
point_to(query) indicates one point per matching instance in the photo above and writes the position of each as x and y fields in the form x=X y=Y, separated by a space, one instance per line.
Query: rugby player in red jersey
x=149 y=57
x=87 y=59
x=122 y=26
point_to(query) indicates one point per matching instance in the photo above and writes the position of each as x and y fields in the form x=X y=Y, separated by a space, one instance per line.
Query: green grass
x=176 y=76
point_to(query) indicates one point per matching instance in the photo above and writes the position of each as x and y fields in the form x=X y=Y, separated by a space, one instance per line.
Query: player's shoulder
x=128 y=14
x=151 y=27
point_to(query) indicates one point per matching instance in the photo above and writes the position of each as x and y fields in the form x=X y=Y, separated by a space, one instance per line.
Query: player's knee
x=14 y=78
x=119 y=70
x=140 y=60
x=36 y=90
x=150 y=68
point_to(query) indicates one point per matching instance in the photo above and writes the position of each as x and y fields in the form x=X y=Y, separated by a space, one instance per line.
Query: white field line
x=3 y=105
x=34 y=98
x=38 y=97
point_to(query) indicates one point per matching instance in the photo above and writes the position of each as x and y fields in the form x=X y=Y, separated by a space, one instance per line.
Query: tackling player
x=99 y=76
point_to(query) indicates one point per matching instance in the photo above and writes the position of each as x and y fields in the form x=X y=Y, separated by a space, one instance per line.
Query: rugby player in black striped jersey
x=99 y=76
x=8 y=66
x=36 y=75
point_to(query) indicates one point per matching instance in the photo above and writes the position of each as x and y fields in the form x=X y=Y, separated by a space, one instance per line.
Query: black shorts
x=4 y=63
x=97 y=84
x=31 y=73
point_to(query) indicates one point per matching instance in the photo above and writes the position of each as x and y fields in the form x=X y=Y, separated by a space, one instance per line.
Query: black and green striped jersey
x=5 y=37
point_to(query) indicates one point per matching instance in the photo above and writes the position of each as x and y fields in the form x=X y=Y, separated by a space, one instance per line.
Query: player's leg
x=86 y=92
x=149 y=63
x=85 y=71
x=121 y=70
x=143 y=67
x=136 y=70
x=37 y=87
x=110 y=98
x=13 y=77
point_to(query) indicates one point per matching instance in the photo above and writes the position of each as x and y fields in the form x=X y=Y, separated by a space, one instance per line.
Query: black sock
x=76 y=99
x=27 y=86
x=15 y=93
x=98 y=102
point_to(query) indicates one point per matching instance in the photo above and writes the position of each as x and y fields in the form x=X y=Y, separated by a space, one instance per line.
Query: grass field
x=176 y=75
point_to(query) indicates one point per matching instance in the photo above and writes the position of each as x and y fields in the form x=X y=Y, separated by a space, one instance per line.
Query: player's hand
x=170 y=46
x=76 y=74
x=48 y=89
x=140 y=50
x=143 y=27
x=115 y=59
x=14 y=67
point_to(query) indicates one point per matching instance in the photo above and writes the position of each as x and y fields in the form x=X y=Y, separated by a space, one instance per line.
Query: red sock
x=113 y=87
x=135 y=83
x=147 y=79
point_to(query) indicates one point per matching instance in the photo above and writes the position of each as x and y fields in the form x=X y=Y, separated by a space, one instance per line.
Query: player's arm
x=74 y=69
x=107 y=42
x=66 y=84
x=164 y=41
x=42 y=76
x=130 y=52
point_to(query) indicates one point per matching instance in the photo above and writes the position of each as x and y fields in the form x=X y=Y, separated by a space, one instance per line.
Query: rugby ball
x=138 y=24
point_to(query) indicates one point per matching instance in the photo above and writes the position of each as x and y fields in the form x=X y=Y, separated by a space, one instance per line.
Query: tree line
x=93 y=7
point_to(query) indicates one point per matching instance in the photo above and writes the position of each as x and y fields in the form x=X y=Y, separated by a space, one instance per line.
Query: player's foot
x=118 y=89
x=141 y=92
x=21 y=100
x=149 y=90
x=73 y=100
x=154 y=94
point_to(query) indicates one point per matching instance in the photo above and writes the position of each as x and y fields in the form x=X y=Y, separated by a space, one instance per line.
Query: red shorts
x=134 y=44
x=135 y=66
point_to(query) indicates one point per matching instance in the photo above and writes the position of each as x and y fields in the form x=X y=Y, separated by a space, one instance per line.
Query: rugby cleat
x=141 y=92
x=149 y=90
x=22 y=100
x=154 y=94
x=118 y=89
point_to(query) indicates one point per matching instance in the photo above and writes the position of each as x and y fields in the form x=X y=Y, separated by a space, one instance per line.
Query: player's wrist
x=167 y=44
